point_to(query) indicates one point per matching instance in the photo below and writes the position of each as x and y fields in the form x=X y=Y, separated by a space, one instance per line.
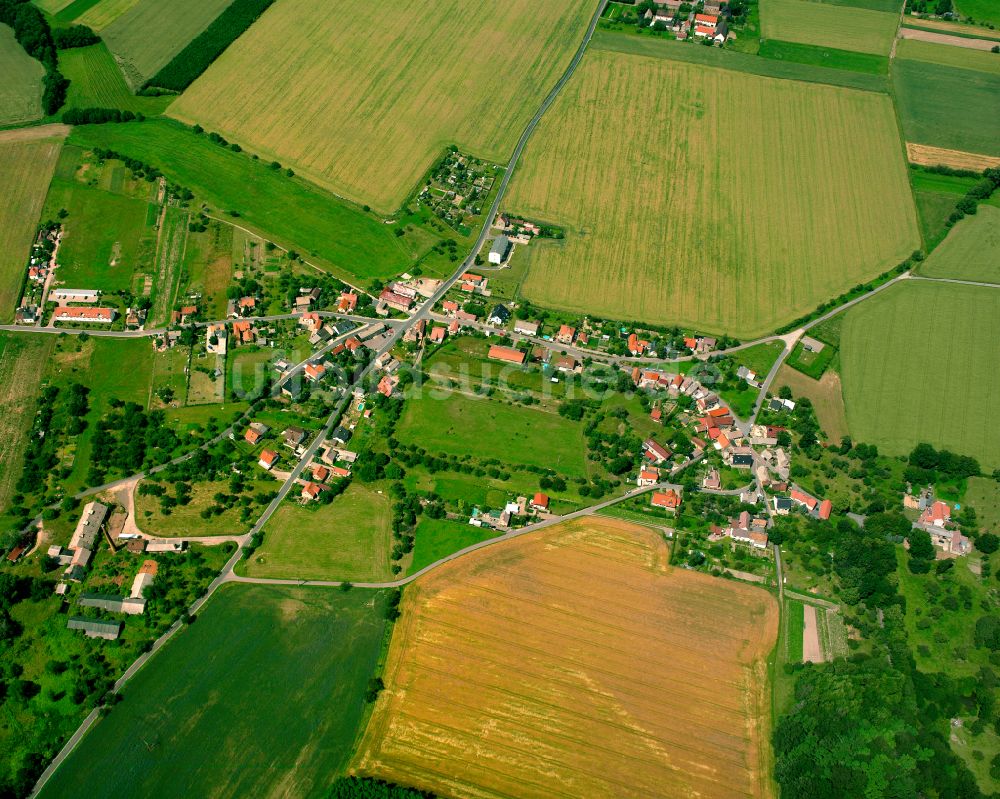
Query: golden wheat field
x=575 y=662
x=362 y=101
x=712 y=199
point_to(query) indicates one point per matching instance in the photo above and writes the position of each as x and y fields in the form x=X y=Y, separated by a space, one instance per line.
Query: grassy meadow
x=96 y=81
x=983 y=11
x=919 y=365
x=663 y=226
x=983 y=494
x=824 y=56
x=364 y=106
x=947 y=55
x=349 y=539
x=828 y=25
x=948 y=107
x=26 y=167
x=21 y=86
x=438 y=538
x=147 y=36
x=199 y=701
x=290 y=211
x=971 y=250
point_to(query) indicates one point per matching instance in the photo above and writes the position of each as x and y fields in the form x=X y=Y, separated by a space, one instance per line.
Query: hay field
x=363 y=106
x=829 y=25
x=26 y=167
x=147 y=36
x=925 y=155
x=971 y=251
x=826 y=395
x=670 y=225
x=919 y=365
x=21 y=86
x=576 y=663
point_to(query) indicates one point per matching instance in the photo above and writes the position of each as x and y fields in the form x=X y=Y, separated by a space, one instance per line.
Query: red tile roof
x=508 y=354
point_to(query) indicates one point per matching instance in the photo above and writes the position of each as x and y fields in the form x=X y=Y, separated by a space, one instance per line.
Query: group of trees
x=371 y=788
x=32 y=32
x=74 y=36
x=98 y=116
x=928 y=465
x=129 y=439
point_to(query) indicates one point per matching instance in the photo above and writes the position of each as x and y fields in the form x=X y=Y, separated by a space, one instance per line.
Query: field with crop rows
x=96 y=81
x=829 y=25
x=21 y=85
x=363 y=106
x=971 y=251
x=944 y=106
x=961 y=57
x=149 y=34
x=576 y=662
x=26 y=167
x=200 y=702
x=919 y=365
x=97 y=14
x=664 y=226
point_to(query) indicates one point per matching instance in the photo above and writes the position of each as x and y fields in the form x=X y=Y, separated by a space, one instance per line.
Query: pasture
x=531 y=654
x=291 y=212
x=829 y=25
x=199 y=701
x=961 y=57
x=829 y=57
x=661 y=228
x=944 y=106
x=349 y=539
x=918 y=363
x=364 y=109
x=980 y=10
x=484 y=428
x=21 y=87
x=971 y=250
x=147 y=36
x=26 y=167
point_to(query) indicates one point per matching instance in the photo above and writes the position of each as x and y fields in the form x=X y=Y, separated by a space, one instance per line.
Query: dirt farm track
x=577 y=663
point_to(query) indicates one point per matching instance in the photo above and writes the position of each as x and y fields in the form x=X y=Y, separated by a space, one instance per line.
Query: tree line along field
x=674 y=225
x=26 y=167
x=263 y=696
x=21 y=86
x=971 y=250
x=948 y=106
x=576 y=662
x=829 y=25
x=363 y=107
x=919 y=365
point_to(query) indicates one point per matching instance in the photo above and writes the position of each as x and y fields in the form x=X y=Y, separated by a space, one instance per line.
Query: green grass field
x=971 y=251
x=889 y=6
x=919 y=365
x=186 y=520
x=363 y=107
x=947 y=55
x=669 y=238
x=983 y=494
x=948 y=107
x=97 y=14
x=96 y=81
x=288 y=211
x=460 y=425
x=828 y=25
x=349 y=539
x=262 y=696
x=437 y=538
x=21 y=86
x=823 y=56
x=980 y=10
x=795 y=629
x=26 y=167
x=147 y=36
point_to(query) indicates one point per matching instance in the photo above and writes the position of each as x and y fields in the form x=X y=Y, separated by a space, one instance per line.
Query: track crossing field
x=919 y=364
x=363 y=105
x=735 y=203
x=576 y=662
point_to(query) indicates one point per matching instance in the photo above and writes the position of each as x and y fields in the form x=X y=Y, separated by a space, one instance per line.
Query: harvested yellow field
x=721 y=201
x=925 y=155
x=575 y=662
x=363 y=105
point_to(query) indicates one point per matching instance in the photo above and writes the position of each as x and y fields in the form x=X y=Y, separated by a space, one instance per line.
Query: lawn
x=438 y=538
x=824 y=56
x=148 y=35
x=948 y=107
x=186 y=520
x=662 y=224
x=919 y=365
x=197 y=703
x=288 y=211
x=983 y=11
x=971 y=250
x=349 y=539
x=26 y=167
x=947 y=55
x=491 y=429
x=827 y=25
x=983 y=494
x=364 y=106
x=96 y=81
x=248 y=368
x=21 y=87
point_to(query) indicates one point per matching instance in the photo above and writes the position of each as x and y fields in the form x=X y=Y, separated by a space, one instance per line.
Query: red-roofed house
x=65 y=313
x=268 y=458
x=655 y=452
x=540 y=501
x=396 y=301
x=312 y=490
x=353 y=343
x=348 y=302
x=314 y=372
x=825 y=508
x=437 y=335
x=708 y=20
x=311 y=322
x=656 y=414
x=803 y=498
x=243 y=332
x=648 y=477
x=340 y=471
x=566 y=334
x=938 y=514
x=635 y=345
x=668 y=499
x=449 y=306
x=508 y=354
x=320 y=473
